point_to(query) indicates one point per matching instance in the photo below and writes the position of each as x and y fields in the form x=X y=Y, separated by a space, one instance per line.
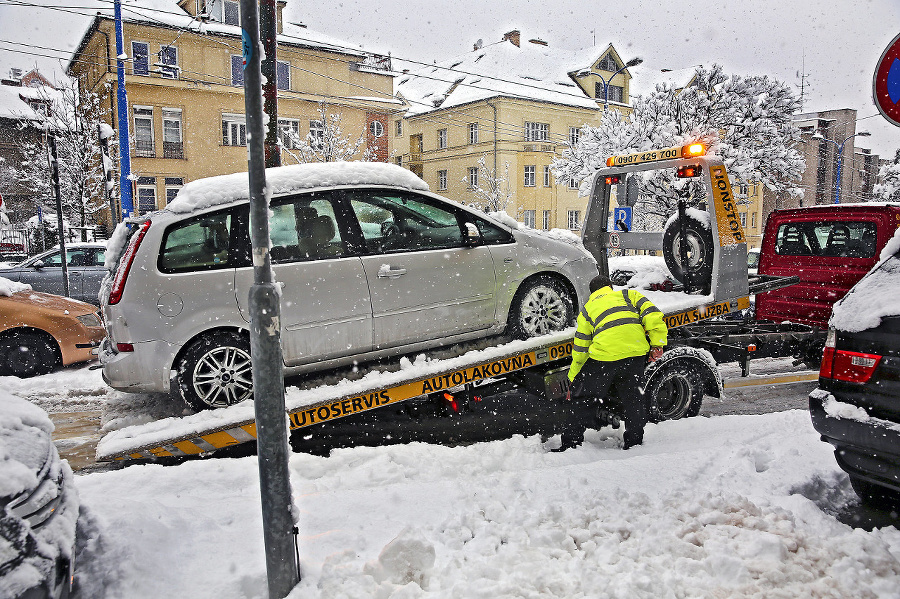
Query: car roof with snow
x=875 y=295
x=224 y=189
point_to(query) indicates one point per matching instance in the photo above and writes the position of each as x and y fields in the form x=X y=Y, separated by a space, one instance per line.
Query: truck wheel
x=24 y=354
x=215 y=371
x=675 y=390
x=874 y=495
x=540 y=306
x=699 y=263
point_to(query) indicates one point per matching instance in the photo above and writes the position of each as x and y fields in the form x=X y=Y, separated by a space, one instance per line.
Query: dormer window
x=608 y=63
x=231 y=12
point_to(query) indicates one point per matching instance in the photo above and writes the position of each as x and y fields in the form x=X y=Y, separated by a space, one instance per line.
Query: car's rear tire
x=699 y=263
x=215 y=371
x=874 y=495
x=540 y=306
x=27 y=353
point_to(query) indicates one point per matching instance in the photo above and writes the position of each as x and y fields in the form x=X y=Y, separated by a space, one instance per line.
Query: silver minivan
x=370 y=264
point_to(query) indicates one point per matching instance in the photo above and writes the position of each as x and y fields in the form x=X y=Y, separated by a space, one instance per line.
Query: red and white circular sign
x=886 y=83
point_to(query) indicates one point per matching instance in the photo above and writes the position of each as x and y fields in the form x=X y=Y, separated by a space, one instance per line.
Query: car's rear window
x=202 y=243
x=845 y=239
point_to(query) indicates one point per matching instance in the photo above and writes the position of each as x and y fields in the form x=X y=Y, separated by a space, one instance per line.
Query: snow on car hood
x=213 y=191
x=874 y=296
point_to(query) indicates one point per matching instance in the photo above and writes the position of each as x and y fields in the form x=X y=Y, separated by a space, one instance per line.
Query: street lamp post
x=631 y=63
x=840 y=159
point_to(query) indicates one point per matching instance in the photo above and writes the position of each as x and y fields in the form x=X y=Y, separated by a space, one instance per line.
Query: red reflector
x=124 y=347
x=118 y=285
x=827 y=368
x=853 y=367
x=612 y=180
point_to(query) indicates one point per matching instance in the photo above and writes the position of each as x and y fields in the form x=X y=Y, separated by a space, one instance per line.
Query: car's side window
x=491 y=234
x=99 y=258
x=201 y=243
x=79 y=257
x=53 y=259
x=394 y=221
x=304 y=228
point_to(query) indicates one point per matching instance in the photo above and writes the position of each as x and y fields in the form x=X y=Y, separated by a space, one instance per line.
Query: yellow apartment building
x=506 y=110
x=184 y=81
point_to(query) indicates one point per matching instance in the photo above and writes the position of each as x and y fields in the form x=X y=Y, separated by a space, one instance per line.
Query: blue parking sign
x=622 y=214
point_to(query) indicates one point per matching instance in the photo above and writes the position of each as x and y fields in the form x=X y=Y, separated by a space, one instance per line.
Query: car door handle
x=386 y=272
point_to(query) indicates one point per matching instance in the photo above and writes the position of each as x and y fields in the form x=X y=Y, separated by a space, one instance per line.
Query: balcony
x=173 y=149
x=143 y=148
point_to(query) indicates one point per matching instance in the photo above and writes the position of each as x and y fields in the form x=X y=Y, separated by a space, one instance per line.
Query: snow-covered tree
x=72 y=118
x=493 y=192
x=746 y=121
x=888 y=190
x=328 y=143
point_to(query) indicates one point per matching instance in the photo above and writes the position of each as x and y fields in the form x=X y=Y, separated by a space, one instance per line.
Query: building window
x=473 y=133
x=743 y=189
x=442 y=180
x=473 y=177
x=537 y=131
x=608 y=63
x=143 y=132
x=316 y=136
x=574 y=135
x=399 y=160
x=530 y=175
x=398 y=128
x=376 y=128
x=529 y=219
x=573 y=184
x=546 y=223
x=173 y=184
x=146 y=194
x=140 y=63
x=282 y=75
x=546 y=175
x=289 y=132
x=753 y=220
x=442 y=139
x=168 y=58
x=232 y=12
x=234 y=130
x=616 y=92
x=173 y=141
x=743 y=216
x=574 y=219
x=237 y=70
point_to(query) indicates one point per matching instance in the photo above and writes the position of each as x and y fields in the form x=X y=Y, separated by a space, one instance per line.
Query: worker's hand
x=655 y=353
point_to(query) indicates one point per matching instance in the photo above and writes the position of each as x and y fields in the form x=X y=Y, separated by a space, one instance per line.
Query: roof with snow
x=16 y=101
x=167 y=13
x=648 y=80
x=213 y=191
x=531 y=71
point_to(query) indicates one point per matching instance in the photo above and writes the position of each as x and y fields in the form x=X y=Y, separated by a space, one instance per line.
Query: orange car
x=39 y=331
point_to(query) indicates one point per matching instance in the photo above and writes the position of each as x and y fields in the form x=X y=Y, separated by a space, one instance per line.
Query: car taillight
x=118 y=285
x=849 y=366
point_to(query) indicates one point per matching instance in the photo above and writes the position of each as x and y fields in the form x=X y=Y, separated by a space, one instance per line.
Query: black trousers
x=617 y=384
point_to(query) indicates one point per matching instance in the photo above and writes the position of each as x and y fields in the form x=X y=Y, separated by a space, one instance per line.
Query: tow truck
x=706 y=250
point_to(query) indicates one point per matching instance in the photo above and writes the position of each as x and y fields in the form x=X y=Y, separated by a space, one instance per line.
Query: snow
x=731 y=506
x=874 y=296
x=7 y=287
x=212 y=191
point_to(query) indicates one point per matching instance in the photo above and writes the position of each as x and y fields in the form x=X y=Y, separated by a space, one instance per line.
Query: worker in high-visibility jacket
x=618 y=332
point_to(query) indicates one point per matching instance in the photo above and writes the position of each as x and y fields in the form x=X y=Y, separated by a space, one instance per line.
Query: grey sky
x=841 y=39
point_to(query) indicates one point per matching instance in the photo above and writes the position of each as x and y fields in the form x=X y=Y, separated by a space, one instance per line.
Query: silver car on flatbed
x=370 y=263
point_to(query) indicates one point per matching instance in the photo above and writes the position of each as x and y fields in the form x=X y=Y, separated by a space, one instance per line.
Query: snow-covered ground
x=731 y=506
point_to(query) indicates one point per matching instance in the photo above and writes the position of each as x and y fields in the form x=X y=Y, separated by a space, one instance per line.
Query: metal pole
x=54 y=177
x=837 y=188
x=265 y=337
x=122 y=105
x=268 y=29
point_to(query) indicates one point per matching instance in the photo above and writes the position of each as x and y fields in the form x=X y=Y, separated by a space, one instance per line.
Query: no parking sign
x=886 y=83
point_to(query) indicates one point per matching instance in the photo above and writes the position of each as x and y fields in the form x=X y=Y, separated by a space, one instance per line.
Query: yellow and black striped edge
x=778 y=379
x=347 y=405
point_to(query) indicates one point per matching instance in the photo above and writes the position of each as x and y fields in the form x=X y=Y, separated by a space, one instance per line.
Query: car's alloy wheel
x=539 y=308
x=216 y=371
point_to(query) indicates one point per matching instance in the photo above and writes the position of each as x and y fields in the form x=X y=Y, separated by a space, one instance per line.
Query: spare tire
x=700 y=252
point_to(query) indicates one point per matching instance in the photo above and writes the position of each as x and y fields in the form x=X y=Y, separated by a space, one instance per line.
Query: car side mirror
x=39 y=264
x=472 y=235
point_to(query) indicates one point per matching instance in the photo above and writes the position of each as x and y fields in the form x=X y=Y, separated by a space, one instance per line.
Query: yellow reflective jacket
x=614 y=325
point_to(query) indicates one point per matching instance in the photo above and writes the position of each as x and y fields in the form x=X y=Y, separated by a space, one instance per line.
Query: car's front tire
x=540 y=306
x=215 y=371
x=26 y=353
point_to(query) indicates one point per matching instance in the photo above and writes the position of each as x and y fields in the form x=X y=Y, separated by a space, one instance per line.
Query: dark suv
x=857 y=405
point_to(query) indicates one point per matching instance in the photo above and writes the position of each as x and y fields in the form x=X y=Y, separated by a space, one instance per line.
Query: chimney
x=513 y=37
x=538 y=42
x=279 y=18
